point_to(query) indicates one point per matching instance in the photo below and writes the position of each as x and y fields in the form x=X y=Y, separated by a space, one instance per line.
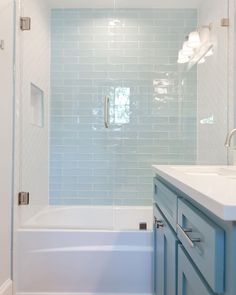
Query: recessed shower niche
x=36 y=106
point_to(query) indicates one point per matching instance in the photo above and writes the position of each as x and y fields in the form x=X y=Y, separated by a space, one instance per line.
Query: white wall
x=34 y=67
x=6 y=115
x=213 y=89
x=125 y=4
x=232 y=75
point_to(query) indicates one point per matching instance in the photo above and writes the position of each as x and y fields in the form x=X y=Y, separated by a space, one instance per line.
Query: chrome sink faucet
x=229 y=138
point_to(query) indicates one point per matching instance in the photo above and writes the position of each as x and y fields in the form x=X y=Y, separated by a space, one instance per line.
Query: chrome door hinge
x=25 y=23
x=2 y=45
x=23 y=198
x=225 y=22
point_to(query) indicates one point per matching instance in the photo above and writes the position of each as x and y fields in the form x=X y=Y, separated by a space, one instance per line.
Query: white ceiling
x=125 y=3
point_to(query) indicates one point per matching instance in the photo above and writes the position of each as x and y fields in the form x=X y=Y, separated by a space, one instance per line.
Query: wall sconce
x=194 y=46
x=187 y=50
x=194 y=40
x=183 y=57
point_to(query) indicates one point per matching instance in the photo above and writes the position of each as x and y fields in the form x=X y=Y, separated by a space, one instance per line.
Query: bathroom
x=117 y=168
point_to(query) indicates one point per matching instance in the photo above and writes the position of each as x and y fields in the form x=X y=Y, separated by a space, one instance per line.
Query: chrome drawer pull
x=187 y=230
x=159 y=223
x=184 y=232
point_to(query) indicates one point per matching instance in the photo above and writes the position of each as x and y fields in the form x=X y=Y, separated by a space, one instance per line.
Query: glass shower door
x=128 y=56
x=103 y=98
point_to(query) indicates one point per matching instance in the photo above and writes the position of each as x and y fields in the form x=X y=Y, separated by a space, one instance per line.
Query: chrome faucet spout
x=229 y=138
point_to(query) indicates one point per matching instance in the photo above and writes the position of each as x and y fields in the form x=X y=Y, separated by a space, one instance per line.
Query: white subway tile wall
x=130 y=56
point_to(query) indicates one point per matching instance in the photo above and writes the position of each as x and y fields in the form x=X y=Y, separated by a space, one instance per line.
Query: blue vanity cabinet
x=190 y=281
x=166 y=244
x=195 y=251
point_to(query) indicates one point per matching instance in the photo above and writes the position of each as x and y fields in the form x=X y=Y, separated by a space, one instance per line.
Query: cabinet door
x=165 y=257
x=190 y=281
x=167 y=202
x=208 y=253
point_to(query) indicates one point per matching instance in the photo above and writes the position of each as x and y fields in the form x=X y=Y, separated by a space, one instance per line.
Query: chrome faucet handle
x=227 y=141
x=229 y=138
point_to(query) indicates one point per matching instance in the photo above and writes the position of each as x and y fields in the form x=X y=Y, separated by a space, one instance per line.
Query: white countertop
x=213 y=187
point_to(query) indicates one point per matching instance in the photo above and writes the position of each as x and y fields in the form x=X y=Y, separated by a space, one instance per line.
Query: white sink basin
x=207 y=171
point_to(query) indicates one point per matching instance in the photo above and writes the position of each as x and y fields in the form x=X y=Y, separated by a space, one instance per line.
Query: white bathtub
x=92 y=217
x=86 y=250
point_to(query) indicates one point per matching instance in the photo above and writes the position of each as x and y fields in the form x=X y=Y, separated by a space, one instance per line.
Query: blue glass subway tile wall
x=129 y=56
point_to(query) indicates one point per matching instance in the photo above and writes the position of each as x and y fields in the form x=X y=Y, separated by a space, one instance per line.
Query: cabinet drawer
x=204 y=242
x=190 y=282
x=165 y=253
x=166 y=201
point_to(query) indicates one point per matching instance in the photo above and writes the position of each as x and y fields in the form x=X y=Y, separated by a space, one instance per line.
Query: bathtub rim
x=41 y=229
x=32 y=225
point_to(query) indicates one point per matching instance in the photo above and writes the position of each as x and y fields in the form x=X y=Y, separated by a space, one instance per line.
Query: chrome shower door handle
x=106 y=111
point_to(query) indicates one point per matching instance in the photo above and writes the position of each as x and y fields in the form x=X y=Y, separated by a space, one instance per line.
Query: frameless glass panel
x=212 y=85
x=34 y=77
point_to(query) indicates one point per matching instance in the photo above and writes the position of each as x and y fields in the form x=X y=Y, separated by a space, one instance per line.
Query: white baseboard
x=6 y=288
